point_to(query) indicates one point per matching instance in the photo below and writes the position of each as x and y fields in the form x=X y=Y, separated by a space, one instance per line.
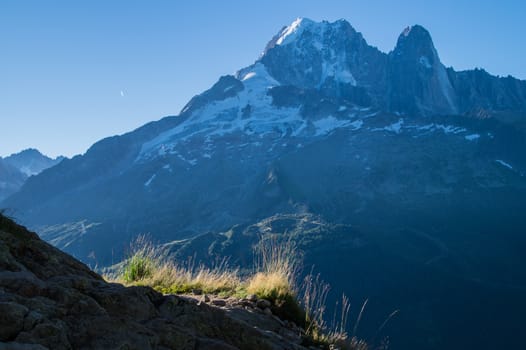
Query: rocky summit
x=49 y=300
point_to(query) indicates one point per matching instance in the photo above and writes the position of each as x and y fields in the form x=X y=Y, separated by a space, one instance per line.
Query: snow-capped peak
x=289 y=33
x=314 y=54
x=294 y=32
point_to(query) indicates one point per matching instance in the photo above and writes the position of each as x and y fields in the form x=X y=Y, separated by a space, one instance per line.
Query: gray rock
x=32 y=319
x=212 y=344
x=21 y=346
x=11 y=320
x=219 y=302
x=263 y=304
x=246 y=303
x=24 y=282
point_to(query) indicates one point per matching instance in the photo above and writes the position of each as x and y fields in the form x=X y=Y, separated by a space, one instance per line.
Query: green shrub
x=138 y=267
x=142 y=262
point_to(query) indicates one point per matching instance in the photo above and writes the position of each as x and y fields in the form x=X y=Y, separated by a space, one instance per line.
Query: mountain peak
x=316 y=54
x=415 y=30
x=415 y=46
x=294 y=32
x=295 y=29
x=28 y=151
x=419 y=81
x=31 y=161
x=415 y=41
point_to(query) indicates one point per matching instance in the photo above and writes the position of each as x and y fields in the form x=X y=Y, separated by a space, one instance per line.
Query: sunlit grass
x=172 y=278
x=277 y=265
x=276 y=270
x=142 y=261
x=146 y=265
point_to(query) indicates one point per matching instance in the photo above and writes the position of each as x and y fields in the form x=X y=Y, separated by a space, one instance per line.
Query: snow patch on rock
x=394 y=127
x=503 y=163
x=424 y=61
x=149 y=182
x=472 y=137
x=326 y=125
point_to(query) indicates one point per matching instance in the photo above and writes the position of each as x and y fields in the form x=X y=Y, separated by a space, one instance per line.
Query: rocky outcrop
x=49 y=300
x=418 y=81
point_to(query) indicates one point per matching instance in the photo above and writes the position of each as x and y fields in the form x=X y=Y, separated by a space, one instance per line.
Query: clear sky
x=73 y=72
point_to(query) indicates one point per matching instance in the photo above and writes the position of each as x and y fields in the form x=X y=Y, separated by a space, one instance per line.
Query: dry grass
x=185 y=278
x=146 y=265
x=277 y=266
x=334 y=334
x=265 y=284
x=314 y=300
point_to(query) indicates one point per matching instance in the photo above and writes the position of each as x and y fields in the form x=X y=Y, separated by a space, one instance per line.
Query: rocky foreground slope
x=49 y=300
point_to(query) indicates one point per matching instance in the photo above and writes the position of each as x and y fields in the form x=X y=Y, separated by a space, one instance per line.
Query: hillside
x=49 y=300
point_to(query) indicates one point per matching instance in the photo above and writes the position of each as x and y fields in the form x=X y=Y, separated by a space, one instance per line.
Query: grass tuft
x=270 y=285
x=142 y=261
x=277 y=266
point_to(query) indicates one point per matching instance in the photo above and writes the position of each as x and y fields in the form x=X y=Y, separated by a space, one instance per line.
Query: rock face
x=49 y=300
x=419 y=83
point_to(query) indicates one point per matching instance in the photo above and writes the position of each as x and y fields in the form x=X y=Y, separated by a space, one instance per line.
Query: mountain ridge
x=417 y=39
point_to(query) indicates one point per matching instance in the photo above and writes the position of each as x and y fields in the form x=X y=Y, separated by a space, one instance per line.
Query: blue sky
x=73 y=72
